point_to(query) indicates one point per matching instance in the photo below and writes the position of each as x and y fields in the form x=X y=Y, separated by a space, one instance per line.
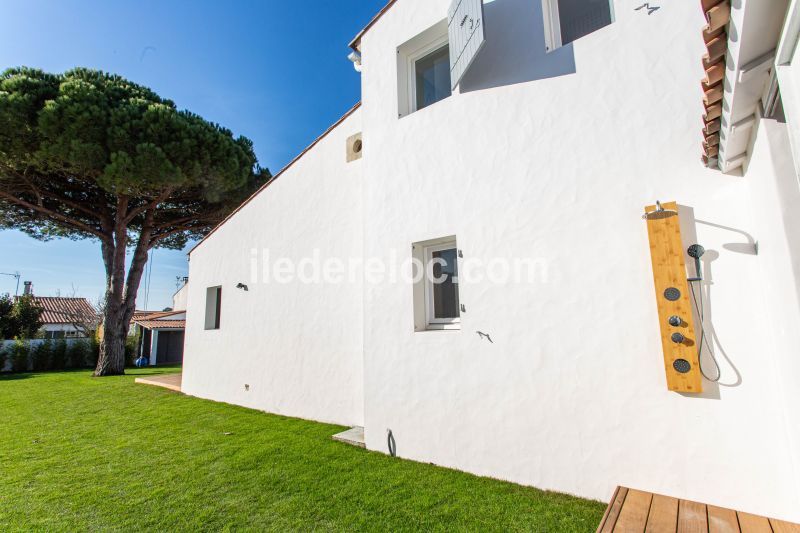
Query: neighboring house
x=161 y=333
x=161 y=336
x=70 y=318
x=550 y=147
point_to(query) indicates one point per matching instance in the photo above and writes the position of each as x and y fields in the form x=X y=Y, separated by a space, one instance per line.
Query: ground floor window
x=441 y=284
x=437 y=302
x=213 y=307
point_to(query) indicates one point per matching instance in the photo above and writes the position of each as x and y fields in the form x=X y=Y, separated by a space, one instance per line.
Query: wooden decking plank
x=692 y=517
x=750 y=523
x=779 y=526
x=721 y=520
x=663 y=514
x=633 y=516
x=612 y=511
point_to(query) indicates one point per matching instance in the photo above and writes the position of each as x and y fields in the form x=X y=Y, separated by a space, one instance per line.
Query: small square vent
x=354 y=147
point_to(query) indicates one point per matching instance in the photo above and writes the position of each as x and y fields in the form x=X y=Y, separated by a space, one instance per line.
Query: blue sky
x=275 y=72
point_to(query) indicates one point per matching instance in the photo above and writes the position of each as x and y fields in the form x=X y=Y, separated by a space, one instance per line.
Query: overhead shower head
x=659 y=213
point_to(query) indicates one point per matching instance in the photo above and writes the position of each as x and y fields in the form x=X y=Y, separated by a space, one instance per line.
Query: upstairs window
x=432 y=73
x=423 y=70
x=569 y=20
x=213 y=307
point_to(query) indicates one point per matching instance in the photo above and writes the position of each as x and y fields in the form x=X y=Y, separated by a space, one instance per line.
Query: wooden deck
x=168 y=381
x=635 y=510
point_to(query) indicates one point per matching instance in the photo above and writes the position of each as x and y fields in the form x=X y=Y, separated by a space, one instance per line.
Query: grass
x=81 y=453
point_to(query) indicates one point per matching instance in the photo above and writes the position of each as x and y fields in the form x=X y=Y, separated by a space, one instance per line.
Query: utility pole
x=16 y=275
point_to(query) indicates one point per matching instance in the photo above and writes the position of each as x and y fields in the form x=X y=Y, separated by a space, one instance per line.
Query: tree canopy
x=19 y=318
x=78 y=148
x=86 y=154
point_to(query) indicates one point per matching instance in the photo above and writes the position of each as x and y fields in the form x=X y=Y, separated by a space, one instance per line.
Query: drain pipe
x=355 y=58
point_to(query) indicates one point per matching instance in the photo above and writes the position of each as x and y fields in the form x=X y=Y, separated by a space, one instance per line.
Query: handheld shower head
x=696 y=251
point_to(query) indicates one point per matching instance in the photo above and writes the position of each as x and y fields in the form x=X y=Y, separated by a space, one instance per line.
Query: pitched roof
x=159 y=319
x=152 y=315
x=162 y=324
x=356 y=42
x=59 y=310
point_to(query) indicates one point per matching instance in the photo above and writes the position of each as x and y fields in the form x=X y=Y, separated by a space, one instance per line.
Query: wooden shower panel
x=669 y=272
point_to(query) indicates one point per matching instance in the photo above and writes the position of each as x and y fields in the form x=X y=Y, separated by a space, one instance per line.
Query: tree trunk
x=120 y=299
x=112 y=347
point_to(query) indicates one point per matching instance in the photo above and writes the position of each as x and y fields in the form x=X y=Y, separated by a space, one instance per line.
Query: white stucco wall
x=298 y=346
x=546 y=156
x=554 y=156
x=180 y=298
x=775 y=196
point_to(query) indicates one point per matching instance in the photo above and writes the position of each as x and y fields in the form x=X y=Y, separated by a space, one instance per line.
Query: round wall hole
x=357 y=145
x=681 y=365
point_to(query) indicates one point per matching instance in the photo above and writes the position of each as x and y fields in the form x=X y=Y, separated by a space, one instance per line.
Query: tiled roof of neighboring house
x=59 y=310
x=159 y=319
x=717 y=13
x=162 y=324
x=151 y=315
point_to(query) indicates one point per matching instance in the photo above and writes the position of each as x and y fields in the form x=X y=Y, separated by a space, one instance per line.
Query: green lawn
x=81 y=453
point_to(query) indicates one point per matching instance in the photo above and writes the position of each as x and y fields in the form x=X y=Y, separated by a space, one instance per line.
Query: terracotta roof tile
x=162 y=324
x=59 y=310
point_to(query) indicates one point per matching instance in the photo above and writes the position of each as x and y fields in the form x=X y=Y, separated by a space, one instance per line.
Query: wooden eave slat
x=712 y=127
x=713 y=95
x=716 y=48
x=718 y=16
x=711 y=140
x=713 y=111
x=715 y=74
x=708 y=4
x=709 y=35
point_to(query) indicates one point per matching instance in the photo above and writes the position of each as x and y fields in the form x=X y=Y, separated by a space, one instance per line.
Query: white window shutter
x=465 y=31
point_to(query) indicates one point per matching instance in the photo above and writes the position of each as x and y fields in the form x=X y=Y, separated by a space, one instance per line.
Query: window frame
x=411 y=66
x=430 y=47
x=552 y=24
x=217 y=307
x=430 y=316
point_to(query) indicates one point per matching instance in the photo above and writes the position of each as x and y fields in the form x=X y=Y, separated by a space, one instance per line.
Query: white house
x=551 y=363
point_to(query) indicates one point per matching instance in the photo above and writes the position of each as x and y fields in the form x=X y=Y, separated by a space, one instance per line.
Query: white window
x=213 y=307
x=423 y=70
x=568 y=20
x=437 y=302
x=441 y=285
x=431 y=77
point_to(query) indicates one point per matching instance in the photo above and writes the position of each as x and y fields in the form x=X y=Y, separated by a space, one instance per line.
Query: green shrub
x=77 y=354
x=94 y=352
x=41 y=355
x=131 y=345
x=20 y=351
x=3 y=357
x=58 y=355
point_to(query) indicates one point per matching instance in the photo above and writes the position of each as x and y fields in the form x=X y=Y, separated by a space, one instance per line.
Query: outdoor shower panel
x=681 y=359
